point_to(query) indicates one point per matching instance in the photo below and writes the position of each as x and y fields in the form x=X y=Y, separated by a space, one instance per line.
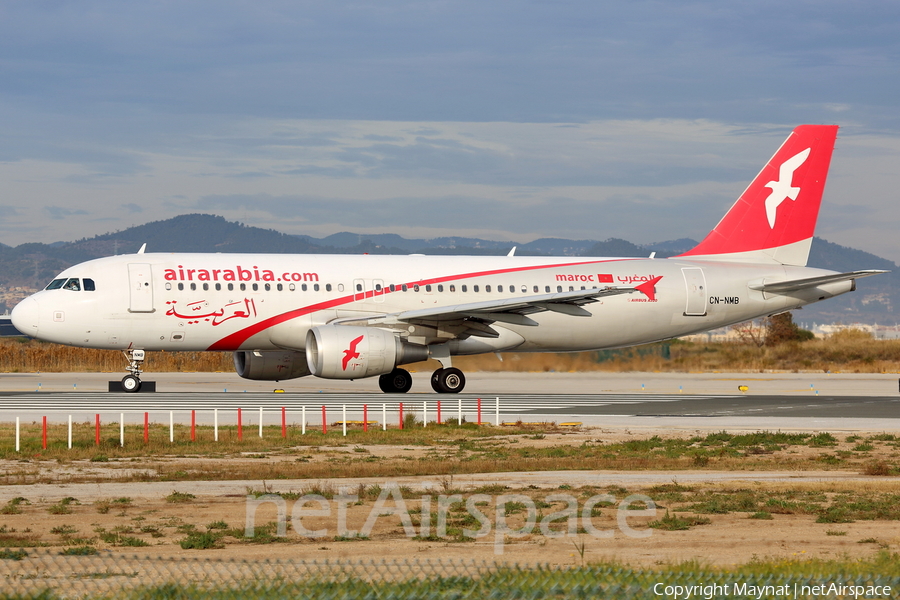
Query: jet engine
x=270 y=366
x=339 y=352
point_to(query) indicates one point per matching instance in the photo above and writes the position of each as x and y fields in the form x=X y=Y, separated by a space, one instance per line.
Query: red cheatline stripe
x=233 y=341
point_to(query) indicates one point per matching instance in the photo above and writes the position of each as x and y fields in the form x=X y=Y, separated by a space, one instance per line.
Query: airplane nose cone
x=25 y=317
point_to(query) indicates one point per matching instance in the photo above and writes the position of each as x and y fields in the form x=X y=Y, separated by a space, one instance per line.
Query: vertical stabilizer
x=775 y=218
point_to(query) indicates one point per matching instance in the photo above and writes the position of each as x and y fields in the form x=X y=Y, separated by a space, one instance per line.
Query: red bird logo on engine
x=351 y=353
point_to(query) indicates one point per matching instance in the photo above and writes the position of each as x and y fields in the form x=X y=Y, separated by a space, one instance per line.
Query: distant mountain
x=33 y=265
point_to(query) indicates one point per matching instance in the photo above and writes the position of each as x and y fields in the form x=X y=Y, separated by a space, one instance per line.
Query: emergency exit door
x=695 y=283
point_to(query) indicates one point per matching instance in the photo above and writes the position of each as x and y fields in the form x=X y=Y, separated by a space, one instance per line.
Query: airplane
x=351 y=317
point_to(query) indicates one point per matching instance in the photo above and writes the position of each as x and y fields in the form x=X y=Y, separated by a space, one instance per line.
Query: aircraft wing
x=514 y=311
x=793 y=285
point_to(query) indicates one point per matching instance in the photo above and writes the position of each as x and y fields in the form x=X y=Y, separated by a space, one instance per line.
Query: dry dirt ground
x=151 y=519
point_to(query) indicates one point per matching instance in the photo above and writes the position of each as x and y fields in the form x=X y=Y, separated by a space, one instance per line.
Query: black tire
x=398 y=381
x=436 y=381
x=131 y=384
x=450 y=381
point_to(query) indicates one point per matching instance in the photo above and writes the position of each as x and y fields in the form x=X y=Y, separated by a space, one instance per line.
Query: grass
x=674 y=522
x=607 y=579
x=442 y=451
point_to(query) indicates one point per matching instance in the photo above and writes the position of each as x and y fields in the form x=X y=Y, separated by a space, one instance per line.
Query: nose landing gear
x=132 y=383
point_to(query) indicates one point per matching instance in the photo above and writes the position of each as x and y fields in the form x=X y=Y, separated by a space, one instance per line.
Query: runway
x=596 y=409
x=798 y=406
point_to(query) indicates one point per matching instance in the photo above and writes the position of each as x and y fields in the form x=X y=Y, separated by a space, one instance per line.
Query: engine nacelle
x=337 y=352
x=270 y=366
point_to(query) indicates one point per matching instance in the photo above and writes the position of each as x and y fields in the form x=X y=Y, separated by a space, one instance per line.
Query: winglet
x=512 y=252
x=144 y=247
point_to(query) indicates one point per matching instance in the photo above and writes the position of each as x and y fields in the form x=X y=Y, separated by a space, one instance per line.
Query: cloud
x=133 y=208
x=58 y=212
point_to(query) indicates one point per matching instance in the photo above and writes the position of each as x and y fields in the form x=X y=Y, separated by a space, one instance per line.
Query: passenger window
x=255 y=287
x=403 y=287
x=377 y=287
x=524 y=289
x=571 y=288
x=180 y=287
x=292 y=287
x=218 y=287
x=55 y=284
x=440 y=287
x=358 y=287
x=582 y=287
x=304 y=287
x=243 y=287
x=193 y=287
x=427 y=288
x=168 y=285
x=559 y=288
x=205 y=287
x=464 y=288
x=73 y=285
x=268 y=287
x=536 y=289
x=416 y=287
x=452 y=287
x=340 y=287
x=487 y=288
x=475 y=288
x=499 y=288
x=315 y=287
x=547 y=289
x=279 y=287
x=392 y=287
x=89 y=285
x=327 y=287
x=230 y=287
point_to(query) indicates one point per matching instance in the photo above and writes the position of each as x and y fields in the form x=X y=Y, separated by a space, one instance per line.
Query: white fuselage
x=267 y=301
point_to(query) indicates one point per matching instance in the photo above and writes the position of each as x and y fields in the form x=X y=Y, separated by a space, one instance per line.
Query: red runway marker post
x=439 y=412
x=365 y=417
x=146 y=428
x=283 y=423
x=193 y=425
x=401 y=415
x=479 y=411
x=324 y=421
x=240 y=426
x=44 y=433
x=97 y=429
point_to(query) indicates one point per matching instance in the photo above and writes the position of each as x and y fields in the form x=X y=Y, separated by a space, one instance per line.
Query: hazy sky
x=505 y=120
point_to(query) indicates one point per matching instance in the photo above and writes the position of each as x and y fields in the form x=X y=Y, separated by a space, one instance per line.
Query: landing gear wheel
x=448 y=381
x=131 y=384
x=398 y=381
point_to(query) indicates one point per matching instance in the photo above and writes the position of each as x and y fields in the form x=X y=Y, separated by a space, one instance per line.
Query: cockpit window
x=55 y=284
x=73 y=285
x=89 y=285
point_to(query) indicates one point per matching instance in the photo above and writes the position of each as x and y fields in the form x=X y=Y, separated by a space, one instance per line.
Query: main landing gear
x=397 y=381
x=444 y=381
x=132 y=383
x=448 y=381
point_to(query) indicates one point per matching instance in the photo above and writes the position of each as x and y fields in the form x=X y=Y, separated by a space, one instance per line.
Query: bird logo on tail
x=783 y=188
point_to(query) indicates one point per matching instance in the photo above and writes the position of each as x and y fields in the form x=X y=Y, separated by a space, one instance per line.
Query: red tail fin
x=775 y=217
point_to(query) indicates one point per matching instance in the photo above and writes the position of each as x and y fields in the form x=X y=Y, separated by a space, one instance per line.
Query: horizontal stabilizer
x=793 y=285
